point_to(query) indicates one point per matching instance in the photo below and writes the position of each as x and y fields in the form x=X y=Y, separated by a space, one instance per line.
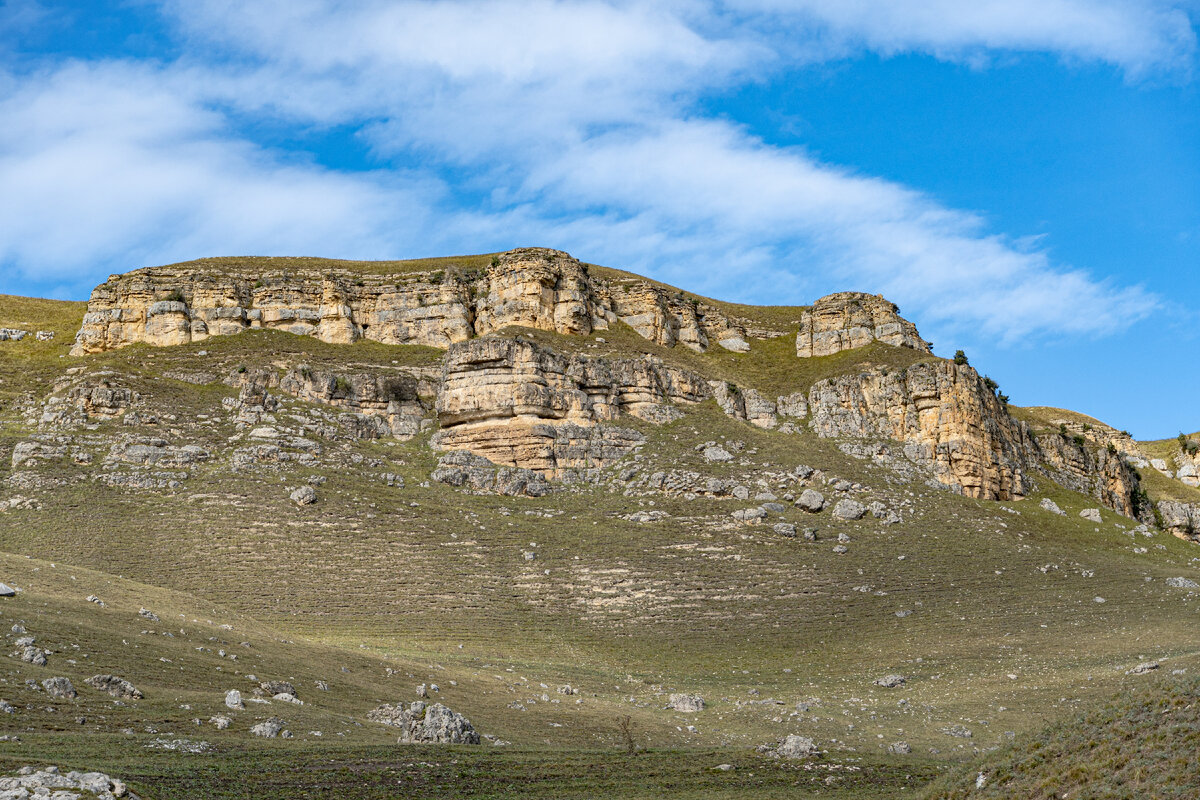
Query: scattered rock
x=689 y=703
x=849 y=509
x=1092 y=515
x=1183 y=583
x=1143 y=668
x=233 y=699
x=900 y=748
x=1052 y=507
x=794 y=746
x=146 y=613
x=220 y=722
x=891 y=681
x=269 y=728
x=717 y=453
x=304 y=496
x=60 y=688
x=117 y=687
x=418 y=723
x=785 y=529
x=750 y=515
x=958 y=732
x=54 y=784
x=30 y=655
x=811 y=500
x=7 y=591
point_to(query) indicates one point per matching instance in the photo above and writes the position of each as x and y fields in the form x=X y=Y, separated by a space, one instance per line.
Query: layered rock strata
x=530 y=287
x=848 y=320
x=948 y=419
x=387 y=405
x=522 y=405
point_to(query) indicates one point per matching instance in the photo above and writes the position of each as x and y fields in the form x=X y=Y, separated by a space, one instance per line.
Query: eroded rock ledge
x=531 y=287
x=848 y=320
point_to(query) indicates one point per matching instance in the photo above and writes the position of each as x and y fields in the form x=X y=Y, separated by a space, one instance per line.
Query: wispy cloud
x=576 y=122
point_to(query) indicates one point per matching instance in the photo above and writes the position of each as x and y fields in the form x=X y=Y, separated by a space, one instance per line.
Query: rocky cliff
x=948 y=419
x=848 y=320
x=519 y=404
x=531 y=287
x=524 y=406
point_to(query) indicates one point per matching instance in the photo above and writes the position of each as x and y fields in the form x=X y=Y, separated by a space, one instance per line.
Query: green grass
x=1140 y=745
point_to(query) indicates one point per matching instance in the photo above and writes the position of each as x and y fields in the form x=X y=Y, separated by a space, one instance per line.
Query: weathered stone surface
x=1089 y=469
x=388 y=404
x=1180 y=519
x=794 y=746
x=59 y=688
x=1051 y=506
x=811 y=501
x=688 y=703
x=849 y=509
x=1091 y=514
x=530 y=287
x=848 y=320
x=951 y=423
x=420 y=723
x=522 y=405
x=115 y=686
x=269 y=728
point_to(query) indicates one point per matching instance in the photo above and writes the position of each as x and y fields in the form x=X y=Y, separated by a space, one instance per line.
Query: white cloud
x=116 y=164
x=576 y=120
x=1139 y=36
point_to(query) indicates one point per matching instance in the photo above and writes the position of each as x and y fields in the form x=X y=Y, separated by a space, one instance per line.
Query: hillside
x=511 y=473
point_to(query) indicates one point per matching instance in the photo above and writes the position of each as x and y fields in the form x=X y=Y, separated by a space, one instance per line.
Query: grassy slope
x=1140 y=745
x=740 y=608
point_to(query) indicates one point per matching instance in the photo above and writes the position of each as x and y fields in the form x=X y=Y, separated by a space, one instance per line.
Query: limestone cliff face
x=531 y=287
x=1098 y=472
x=387 y=405
x=1180 y=519
x=943 y=412
x=521 y=405
x=848 y=320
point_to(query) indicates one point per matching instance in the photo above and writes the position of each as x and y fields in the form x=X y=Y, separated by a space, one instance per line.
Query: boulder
x=1183 y=583
x=233 y=699
x=1092 y=515
x=1052 y=507
x=717 y=453
x=849 y=509
x=117 y=687
x=891 y=681
x=750 y=516
x=1143 y=668
x=420 y=723
x=689 y=703
x=785 y=529
x=269 y=728
x=59 y=688
x=304 y=496
x=7 y=591
x=811 y=500
x=794 y=746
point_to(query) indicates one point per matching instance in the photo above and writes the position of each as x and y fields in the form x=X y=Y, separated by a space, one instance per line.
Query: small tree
x=625 y=726
x=960 y=358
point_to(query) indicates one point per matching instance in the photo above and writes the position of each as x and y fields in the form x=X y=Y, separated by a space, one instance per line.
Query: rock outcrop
x=1095 y=471
x=530 y=287
x=1180 y=519
x=947 y=417
x=848 y=320
x=419 y=723
x=522 y=405
x=383 y=405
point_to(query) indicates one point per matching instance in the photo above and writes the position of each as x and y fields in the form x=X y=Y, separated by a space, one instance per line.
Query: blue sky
x=1021 y=176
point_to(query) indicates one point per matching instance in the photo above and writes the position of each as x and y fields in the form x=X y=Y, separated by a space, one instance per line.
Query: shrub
x=342 y=386
x=176 y=296
x=437 y=277
x=960 y=358
x=495 y=261
x=1079 y=440
x=1062 y=429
